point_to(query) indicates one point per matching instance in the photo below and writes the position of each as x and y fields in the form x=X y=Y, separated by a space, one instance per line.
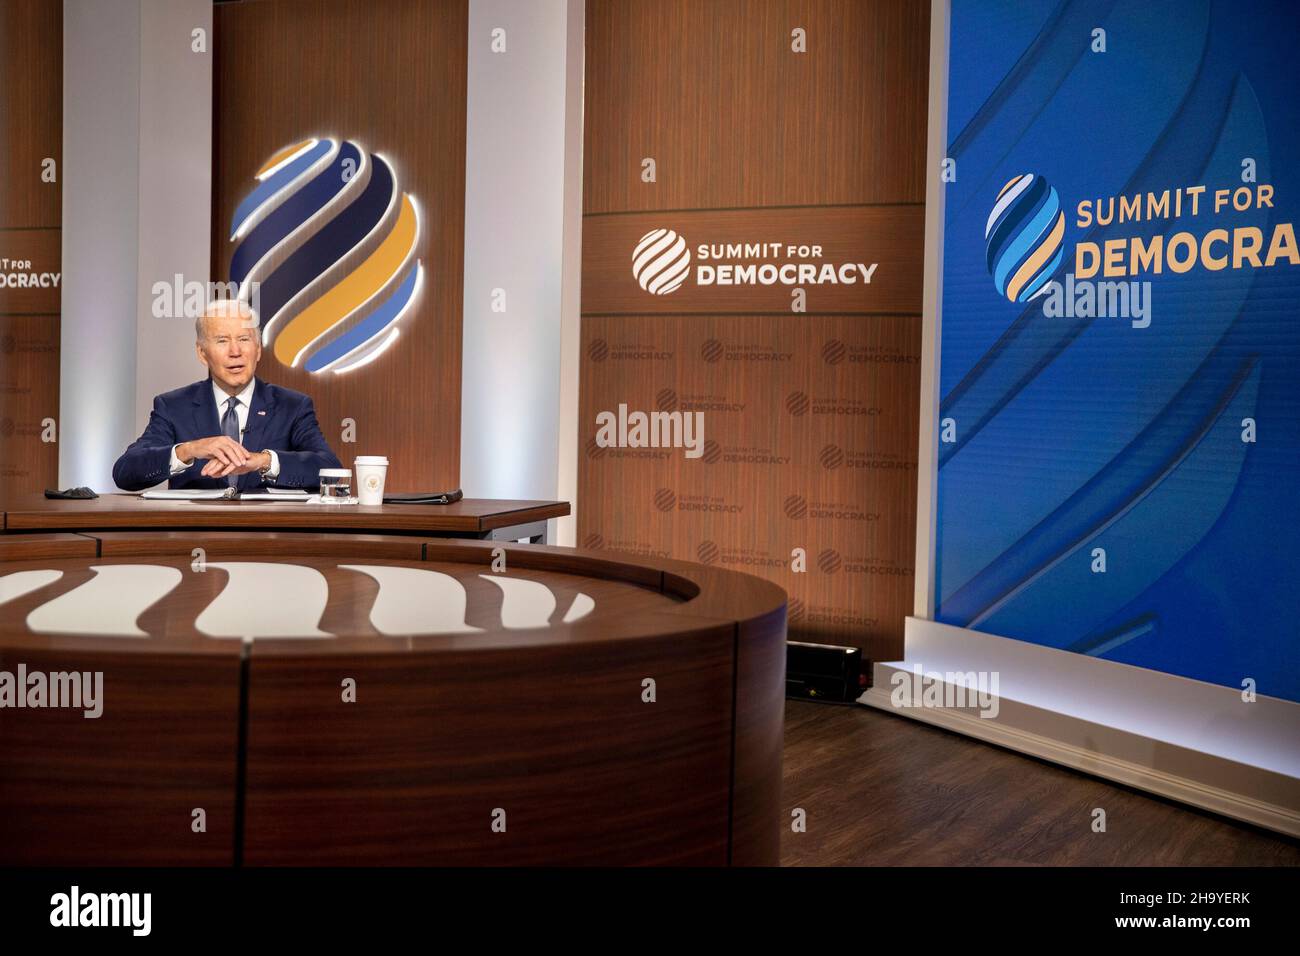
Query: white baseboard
x=1186 y=740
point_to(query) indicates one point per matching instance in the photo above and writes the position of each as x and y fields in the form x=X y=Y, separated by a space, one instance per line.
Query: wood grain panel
x=390 y=75
x=31 y=113
x=31 y=131
x=439 y=746
x=37 y=547
x=810 y=430
x=29 y=394
x=759 y=732
x=221 y=545
x=810 y=419
x=713 y=92
x=853 y=242
x=121 y=789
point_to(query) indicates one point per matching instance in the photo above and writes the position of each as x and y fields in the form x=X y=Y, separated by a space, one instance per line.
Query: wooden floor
x=883 y=790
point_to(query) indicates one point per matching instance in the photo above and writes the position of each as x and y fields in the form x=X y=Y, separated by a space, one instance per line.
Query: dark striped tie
x=230 y=428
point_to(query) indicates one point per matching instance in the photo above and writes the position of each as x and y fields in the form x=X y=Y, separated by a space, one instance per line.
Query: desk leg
x=534 y=531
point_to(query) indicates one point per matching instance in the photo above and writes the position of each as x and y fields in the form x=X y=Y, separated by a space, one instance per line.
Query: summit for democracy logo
x=662 y=263
x=18 y=274
x=329 y=239
x=1025 y=244
x=1024 y=237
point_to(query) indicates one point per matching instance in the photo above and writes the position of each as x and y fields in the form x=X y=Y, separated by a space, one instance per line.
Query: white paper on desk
x=288 y=492
x=183 y=494
x=301 y=496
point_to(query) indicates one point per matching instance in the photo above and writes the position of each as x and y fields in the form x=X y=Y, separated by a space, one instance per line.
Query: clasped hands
x=225 y=456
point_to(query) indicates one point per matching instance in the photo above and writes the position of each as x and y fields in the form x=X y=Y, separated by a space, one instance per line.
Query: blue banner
x=1119 y=434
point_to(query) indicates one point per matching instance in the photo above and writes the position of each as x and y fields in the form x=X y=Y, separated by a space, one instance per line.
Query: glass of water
x=335 y=486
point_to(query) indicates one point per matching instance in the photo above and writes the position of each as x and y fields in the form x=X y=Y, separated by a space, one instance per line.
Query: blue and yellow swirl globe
x=1025 y=237
x=326 y=250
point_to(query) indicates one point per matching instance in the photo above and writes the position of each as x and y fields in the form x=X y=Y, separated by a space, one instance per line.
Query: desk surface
x=469 y=515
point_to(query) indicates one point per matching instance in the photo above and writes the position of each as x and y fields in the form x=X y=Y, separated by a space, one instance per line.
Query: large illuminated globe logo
x=661 y=261
x=1024 y=237
x=328 y=240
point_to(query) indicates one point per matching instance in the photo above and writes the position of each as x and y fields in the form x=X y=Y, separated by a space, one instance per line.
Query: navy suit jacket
x=278 y=418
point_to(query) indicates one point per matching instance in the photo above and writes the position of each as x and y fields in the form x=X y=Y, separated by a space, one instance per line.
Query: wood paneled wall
x=810 y=417
x=31 y=131
x=391 y=76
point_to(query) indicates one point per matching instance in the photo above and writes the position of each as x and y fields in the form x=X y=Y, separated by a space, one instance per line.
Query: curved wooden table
x=497 y=717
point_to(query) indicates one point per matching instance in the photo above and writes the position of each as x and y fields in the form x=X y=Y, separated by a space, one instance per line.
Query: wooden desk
x=478 y=689
x=485 y=518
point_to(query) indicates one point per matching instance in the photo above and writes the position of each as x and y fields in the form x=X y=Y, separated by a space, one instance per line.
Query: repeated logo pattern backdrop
x=751 y=297
x=1119 y=411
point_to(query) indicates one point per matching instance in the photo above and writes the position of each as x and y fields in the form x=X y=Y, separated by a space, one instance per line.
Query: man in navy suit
x=199 y=436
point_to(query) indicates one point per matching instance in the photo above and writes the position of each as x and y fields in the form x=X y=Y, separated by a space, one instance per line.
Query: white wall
x=175 y=189
x=137 y=154
x=520 y=184
x=571 y=305
x=101 y=127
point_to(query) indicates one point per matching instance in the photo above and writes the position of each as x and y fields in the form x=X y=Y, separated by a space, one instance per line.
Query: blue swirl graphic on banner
x=1024 y=237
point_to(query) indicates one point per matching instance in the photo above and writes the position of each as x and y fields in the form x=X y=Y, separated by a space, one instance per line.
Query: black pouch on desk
x=424 y=498
x=70 y=494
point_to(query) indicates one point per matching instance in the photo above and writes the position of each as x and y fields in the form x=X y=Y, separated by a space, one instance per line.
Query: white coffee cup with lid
x=372 y=471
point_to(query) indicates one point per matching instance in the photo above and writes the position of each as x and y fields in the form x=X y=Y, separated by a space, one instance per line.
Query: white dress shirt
x=241 y=411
